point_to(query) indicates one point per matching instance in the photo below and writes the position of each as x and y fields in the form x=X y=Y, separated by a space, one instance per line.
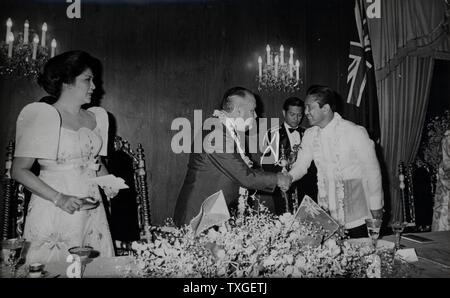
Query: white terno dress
x=68 y=159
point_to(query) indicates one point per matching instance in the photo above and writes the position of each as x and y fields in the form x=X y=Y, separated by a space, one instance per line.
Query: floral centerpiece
x=261 y=245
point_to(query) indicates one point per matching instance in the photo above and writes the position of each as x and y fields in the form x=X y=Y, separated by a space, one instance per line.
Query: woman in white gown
x=66 y=140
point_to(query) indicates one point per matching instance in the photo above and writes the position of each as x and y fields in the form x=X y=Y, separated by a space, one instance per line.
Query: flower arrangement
x=432 y=151
x=261 y=245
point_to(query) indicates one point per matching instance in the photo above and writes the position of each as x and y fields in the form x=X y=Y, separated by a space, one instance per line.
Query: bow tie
x=291 y=130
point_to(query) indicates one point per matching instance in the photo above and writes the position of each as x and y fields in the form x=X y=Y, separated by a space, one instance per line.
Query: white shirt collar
x=332 y=124
x=287 y=126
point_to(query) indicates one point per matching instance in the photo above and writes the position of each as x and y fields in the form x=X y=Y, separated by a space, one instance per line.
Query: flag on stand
x=361 y=104
x=310 y=212
x=214 y=211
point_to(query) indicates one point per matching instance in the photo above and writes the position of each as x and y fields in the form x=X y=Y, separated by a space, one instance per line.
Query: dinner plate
x=44 y=274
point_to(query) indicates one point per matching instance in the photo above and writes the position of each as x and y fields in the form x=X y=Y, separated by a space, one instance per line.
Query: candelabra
x=19 y=57
x=276 y=74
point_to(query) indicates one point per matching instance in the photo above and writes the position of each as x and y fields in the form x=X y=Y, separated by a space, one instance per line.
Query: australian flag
x=362 y=103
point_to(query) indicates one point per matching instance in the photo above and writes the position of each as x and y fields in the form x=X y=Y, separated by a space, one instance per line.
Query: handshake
x=284 y=181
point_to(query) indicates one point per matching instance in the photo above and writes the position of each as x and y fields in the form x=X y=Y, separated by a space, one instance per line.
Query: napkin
x=110 y=181
x=407 y=254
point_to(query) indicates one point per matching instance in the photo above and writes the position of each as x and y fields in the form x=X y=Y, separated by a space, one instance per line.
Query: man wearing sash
x=223 y=165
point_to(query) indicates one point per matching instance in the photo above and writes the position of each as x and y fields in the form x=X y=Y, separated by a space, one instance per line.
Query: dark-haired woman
x=66 y=140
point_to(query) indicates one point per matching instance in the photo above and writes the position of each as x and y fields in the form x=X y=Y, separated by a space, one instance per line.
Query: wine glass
x=397 y=228
x=373 y=228
x=12 y=253
x=84 y=253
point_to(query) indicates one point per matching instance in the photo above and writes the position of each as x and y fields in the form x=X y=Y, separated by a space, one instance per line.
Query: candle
x=291 y=66
x=8 y=29
x=53 y=47
x=268 y=54
x=260 y=67
x=25 y=32
x=10 y=44
x=276 y=65
x=44 y=30
x=35 y=43
x=281 y=55
x=297 y=69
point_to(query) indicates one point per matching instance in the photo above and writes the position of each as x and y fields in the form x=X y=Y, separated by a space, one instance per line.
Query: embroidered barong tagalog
x=330 y=202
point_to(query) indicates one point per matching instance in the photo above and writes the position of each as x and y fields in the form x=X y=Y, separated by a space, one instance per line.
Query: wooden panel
x=162 y=60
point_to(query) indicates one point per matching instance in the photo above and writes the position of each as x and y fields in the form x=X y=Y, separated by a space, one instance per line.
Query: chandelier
x=21 y=58
x=277 y=75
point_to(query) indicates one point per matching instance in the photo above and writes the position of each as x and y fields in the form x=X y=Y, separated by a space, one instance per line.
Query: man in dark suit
x=223 y=164
x=287 y=138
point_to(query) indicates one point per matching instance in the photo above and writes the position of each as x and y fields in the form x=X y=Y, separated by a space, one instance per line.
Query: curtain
x=405 y=41
x=407 y=89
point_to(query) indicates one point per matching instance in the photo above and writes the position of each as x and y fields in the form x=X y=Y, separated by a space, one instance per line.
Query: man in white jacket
x=348 y=172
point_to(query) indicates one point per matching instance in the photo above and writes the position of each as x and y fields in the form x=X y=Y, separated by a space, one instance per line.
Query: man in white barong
x=348 y=172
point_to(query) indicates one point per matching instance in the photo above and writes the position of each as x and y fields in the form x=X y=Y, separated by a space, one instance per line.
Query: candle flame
x=27 y=24
x=44 y=27
x=267 y=48
x=297 y=63
x=54 y=43
x=9 y=22
x=10 y=37
x=281 y=48
x=36 y=39
x=291 y=51
x=259 y=60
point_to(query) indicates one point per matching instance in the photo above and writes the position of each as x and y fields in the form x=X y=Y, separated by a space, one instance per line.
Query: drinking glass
x=397 y=228
x=12 y=253
x=373 y=228
x=84 y=253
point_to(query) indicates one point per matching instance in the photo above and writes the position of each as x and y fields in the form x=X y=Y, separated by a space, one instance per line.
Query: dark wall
x=163 y=59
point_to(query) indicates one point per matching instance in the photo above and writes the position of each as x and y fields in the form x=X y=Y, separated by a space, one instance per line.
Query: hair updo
x=64 y=68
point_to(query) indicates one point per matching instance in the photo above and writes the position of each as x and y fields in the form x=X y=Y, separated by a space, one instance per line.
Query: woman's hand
x=110 y=192
x=70 y=204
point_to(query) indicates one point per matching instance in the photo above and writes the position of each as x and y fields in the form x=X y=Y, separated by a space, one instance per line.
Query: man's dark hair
x=324 y=95
x=293 y=101
x=227 y=103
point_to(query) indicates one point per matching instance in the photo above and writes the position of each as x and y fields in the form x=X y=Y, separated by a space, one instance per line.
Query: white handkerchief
x=407 y=254
x=110 y=181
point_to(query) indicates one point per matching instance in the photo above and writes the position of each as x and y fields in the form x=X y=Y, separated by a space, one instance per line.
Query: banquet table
x=434 y=257
x=433 y=261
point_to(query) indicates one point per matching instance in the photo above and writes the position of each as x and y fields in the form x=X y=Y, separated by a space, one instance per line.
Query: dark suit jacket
x=210 y=172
